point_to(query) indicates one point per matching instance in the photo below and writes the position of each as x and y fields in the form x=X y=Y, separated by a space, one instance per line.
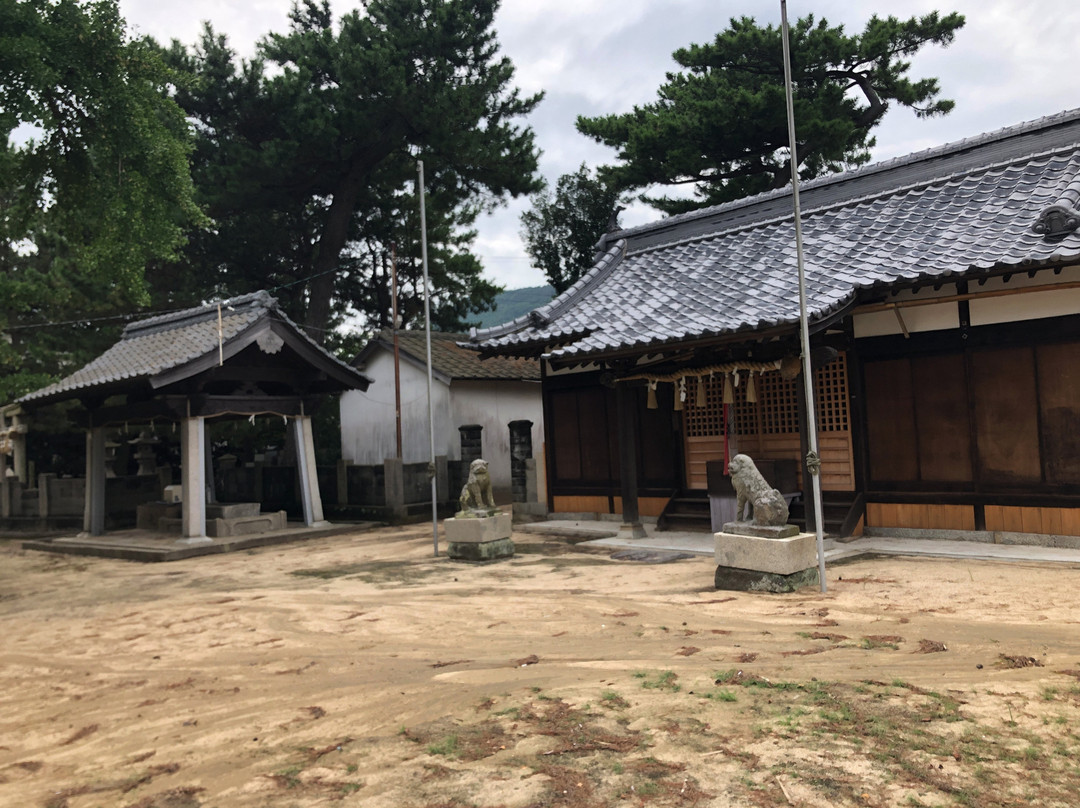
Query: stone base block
x=486 y=528
x=479 y=539
x=480 y=550
x=779 y=556
x=761 y=531
x=232 y=510
x=246 y=525
x=149 y=514
x=237 y=526
x=742 y=580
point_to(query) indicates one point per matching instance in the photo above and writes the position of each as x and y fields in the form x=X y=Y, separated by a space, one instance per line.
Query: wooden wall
x=920 y=516
x=1003 y=518
x=647 y=506
x=1019 y=519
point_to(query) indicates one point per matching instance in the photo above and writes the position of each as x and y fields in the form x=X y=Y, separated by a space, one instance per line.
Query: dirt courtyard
x=360 y=670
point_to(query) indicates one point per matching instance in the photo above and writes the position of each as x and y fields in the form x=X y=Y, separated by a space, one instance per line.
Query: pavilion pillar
x=18 y=450
x=94 y=507
x=208 y=457
x=305 y=467
x=193 y=479
x=626 y=411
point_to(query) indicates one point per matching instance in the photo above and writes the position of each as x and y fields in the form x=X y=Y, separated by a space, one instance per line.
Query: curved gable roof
x=969 y=207
x=169 y=348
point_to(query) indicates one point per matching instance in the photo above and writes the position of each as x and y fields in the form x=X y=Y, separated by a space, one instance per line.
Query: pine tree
x=720 y=123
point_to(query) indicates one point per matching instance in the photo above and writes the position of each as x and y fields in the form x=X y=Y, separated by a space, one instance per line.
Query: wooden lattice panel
x=831 y=388
x=707 y=421
x=769 y=427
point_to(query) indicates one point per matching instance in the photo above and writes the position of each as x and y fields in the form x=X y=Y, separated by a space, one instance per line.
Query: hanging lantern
x=700 y=400
x=751 y=391
x=729 y=391
x=650 y=399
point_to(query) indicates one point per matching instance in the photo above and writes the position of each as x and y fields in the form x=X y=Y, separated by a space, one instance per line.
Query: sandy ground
x=360 y=670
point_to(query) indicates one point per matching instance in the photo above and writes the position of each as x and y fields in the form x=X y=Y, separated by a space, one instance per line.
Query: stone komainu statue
x=476 y=493
x=767 y=505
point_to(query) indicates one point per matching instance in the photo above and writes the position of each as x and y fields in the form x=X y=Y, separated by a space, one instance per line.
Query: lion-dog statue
x=767 y=505
x=476 y=493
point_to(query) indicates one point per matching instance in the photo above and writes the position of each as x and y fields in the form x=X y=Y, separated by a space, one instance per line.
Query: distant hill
x=515 y=302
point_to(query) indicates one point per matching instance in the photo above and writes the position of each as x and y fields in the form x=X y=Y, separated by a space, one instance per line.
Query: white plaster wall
x=494 y=405
x=1010 y=308
x=938 y=317
x=1030 y=305
x=916 y=318
x=368 y=430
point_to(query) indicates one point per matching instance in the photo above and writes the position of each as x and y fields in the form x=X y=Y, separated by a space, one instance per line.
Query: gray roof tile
x=152 y=346
x=964 y=208
x=451 y=359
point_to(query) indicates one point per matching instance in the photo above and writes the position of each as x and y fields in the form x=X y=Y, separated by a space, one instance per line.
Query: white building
x=490 y=393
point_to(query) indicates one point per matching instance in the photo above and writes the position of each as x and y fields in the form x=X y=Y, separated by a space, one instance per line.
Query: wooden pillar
x=305 y=466
x=94 y=508
x=193 y=479
x=18 y=450
x=628 y=473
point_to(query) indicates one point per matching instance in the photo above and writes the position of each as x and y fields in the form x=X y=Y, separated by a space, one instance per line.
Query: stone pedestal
x=148 y=516
x=759 y=564
x=483 y=538
x=760 y=531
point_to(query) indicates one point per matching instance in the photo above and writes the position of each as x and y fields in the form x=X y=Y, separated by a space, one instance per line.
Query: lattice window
x=707 y=421
x=776 y=411
x=779 y=403
x=746 y=412
x=831 y=397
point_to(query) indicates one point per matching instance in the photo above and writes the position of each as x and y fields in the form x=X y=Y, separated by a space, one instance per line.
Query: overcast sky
x=1015 y=60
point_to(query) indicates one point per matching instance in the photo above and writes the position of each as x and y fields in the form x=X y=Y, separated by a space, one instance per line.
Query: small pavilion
x=231 y=359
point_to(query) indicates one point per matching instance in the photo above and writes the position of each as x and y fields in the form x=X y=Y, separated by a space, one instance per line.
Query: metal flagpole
x=813 y=461
x=427 y=326
x=397 y=353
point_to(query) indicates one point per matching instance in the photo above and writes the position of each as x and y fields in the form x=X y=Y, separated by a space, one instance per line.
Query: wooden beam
x=933 y=301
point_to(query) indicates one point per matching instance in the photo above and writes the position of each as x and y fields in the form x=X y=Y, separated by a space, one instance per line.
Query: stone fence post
x=394 y=482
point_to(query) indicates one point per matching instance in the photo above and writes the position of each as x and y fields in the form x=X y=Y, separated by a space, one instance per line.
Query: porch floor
x=606 y=534
x=143 y=545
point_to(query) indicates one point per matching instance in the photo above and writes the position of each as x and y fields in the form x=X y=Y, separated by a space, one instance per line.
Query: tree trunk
x=328 y=252
x=335 y=235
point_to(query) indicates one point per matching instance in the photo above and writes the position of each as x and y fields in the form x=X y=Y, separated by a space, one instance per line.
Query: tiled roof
x=150 y=347
x=966 y=208
x=450 y=359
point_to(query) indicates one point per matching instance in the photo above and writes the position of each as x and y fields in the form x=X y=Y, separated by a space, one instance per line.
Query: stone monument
x=478 y=531
x=759 y=551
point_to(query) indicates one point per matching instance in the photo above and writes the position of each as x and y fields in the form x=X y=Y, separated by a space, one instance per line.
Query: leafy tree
x=561 y=229
x=720 y=124
x=94 y=180
x=306 y=155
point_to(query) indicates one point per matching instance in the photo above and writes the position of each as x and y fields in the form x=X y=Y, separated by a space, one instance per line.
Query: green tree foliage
x=94 y=180
x=562 y=228
x=720 y=123
x=306 y=155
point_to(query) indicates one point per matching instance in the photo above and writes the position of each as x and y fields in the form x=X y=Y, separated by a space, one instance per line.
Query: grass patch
x=722 y=695
x=447 y=746
x=611 y=699
x=659 y=680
